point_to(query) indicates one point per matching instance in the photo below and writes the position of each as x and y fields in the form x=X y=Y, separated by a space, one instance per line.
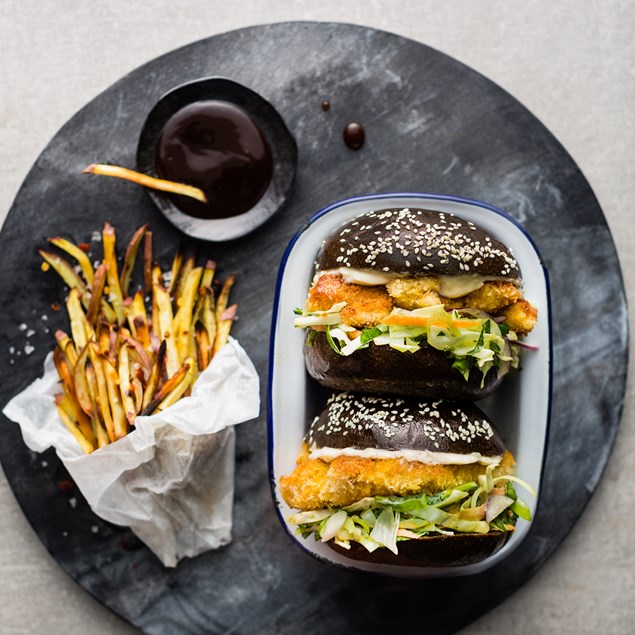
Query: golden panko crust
x=369 y=305
x=492 y=297
x=315 y=484
x=414 y=293
x=521 y=317
x=365 y=306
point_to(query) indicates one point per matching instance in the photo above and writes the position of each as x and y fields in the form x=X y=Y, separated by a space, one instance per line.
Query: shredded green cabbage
x=386 y=520
x=481 y=343
x=385 y=530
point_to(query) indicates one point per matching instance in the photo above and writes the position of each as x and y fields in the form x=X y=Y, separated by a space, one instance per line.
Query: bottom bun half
x=432 y=551
x=427 y=373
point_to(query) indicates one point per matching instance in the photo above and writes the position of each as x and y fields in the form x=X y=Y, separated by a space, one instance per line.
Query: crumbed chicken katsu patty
x=316 y=483
x=368 y=306
x=362 y=445
x=375 y=473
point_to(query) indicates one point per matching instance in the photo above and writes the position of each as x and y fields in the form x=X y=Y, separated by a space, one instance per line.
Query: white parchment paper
x=171 y=480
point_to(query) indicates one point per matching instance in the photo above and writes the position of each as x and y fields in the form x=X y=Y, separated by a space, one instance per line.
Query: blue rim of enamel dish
x=274 y=319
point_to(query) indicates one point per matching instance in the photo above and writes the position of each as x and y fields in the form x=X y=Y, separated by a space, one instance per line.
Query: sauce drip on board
x=216 y=146
x=354 y=135
x=326 y=105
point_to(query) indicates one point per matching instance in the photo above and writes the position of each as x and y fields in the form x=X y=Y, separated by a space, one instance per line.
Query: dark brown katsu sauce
x=326 y=105
x=354 y=135
x=217 y=147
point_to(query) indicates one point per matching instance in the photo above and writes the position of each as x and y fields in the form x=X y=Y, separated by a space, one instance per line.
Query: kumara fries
x=132 y=352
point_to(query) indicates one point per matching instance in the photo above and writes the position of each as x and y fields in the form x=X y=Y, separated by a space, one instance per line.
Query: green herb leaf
x=310 y=338
x=370 y=334
x=331 y=341
x=481 y=339
x=500 y=521
x=403 y=503
x=463 y=365
x=520 y=508
x=438 y=497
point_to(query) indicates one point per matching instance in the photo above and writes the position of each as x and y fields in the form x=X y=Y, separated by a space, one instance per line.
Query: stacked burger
x=413 y=314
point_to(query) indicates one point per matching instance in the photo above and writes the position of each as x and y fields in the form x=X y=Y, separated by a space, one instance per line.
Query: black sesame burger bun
x=416 y=242
x=358 y=421
x=432 y=551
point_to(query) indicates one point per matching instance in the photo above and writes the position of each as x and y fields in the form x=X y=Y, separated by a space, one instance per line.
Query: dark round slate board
x=432 y=125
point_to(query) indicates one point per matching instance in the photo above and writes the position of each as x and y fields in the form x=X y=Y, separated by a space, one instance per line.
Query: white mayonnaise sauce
x=420 y=456
x=449 y=286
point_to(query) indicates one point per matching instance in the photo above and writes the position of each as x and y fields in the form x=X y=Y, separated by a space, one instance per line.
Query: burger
x=414 y=302
x=402 y=481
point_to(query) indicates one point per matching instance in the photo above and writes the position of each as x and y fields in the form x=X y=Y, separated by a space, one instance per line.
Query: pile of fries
x=120 y=361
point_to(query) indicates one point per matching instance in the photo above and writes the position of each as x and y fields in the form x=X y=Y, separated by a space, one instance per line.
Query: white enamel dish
x=519 y=408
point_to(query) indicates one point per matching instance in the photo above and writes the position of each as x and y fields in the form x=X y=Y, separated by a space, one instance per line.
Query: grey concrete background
x=571 y=63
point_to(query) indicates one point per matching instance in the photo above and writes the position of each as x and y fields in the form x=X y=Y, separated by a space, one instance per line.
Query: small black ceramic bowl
x=282 y=145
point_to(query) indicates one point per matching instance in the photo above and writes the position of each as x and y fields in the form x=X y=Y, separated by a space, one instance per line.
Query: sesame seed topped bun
x=388 y=423
x=416 y=242
x=403 y=481
x=414 y=302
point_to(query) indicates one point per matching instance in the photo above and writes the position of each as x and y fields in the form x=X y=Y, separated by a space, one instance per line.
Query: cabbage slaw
x=491 y=504
x=470 y=341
